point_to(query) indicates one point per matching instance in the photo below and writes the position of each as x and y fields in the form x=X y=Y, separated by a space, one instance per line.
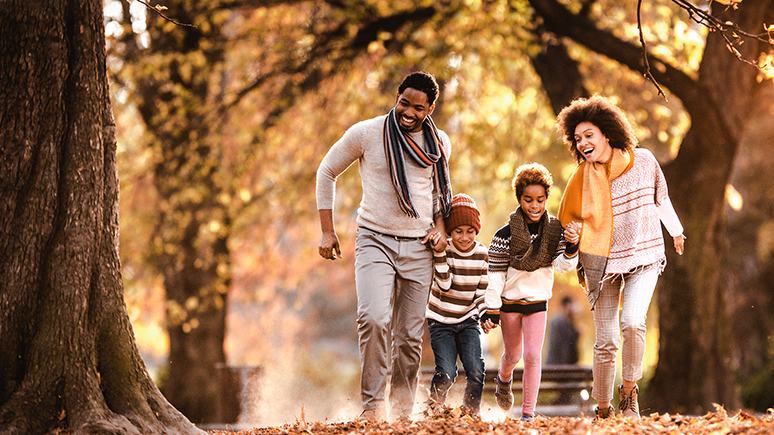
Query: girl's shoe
x=600 y=414
x=628 y=404
x=503 y=394
x=526 y=418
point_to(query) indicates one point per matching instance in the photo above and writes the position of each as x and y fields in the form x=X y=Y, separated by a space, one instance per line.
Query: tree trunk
x=67 y=349
x=693 y=370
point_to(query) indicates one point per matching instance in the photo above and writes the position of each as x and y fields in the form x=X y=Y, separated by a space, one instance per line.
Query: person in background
x=406 y=195
x=456 y=301
x=563 y=335
x=618 y=194
x=563 y=343
x=522 y=258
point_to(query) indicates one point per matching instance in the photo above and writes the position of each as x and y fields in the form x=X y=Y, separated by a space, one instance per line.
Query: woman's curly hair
x=601 y=112
x=527 y=175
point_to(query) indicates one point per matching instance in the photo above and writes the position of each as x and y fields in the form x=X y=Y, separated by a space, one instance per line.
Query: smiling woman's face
x=592 y=144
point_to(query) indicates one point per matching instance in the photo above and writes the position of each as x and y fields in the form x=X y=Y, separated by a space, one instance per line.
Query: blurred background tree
x=222 y=126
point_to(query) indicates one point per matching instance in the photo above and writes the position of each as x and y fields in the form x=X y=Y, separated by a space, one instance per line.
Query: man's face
x=411 y=109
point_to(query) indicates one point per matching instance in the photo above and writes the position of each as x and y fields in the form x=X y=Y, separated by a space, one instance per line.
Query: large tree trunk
x=67 y=350
x=693 y=370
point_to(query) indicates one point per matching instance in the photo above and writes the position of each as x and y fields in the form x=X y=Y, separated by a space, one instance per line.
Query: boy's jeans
x=448 y=341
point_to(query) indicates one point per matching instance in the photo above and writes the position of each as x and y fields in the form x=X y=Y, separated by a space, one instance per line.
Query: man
x=406 y=195
x=563 y=341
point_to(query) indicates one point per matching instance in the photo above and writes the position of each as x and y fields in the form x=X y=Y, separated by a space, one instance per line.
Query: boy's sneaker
x=600 y=414
x=503 y=394
x=628 y=404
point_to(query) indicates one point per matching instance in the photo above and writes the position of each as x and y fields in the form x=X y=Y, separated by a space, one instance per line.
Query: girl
x=522 y=259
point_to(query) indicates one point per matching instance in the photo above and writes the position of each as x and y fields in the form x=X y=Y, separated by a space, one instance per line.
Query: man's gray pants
x=393 y=279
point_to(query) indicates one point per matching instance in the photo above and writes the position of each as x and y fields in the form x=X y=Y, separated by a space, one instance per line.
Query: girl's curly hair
x=527 y=175
x=601 y=112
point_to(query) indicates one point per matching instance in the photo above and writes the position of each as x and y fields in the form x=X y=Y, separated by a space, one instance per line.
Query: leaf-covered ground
x=453 y=421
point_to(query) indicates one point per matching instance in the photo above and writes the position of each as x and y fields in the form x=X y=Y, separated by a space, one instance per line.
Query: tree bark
x=693 y=370
x=70 y=362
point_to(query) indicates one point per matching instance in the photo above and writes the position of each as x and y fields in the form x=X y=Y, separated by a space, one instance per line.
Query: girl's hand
x=680 y=243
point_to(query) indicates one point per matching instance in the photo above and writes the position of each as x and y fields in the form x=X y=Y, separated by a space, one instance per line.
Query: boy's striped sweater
x=459 y=285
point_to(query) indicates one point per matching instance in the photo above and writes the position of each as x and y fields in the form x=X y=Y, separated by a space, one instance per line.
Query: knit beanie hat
x=463 y=212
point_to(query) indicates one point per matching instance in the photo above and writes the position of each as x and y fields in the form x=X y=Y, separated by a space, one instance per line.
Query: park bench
x=573 y=382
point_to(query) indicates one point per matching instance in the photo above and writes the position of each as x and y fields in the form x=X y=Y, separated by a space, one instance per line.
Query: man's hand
x=329 y=247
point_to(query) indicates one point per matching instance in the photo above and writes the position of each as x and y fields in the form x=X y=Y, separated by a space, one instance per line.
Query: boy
x=456 y=299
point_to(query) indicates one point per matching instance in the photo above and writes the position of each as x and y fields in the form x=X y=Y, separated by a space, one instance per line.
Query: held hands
x=329 y=247
x=489 y=322
x=573 y=232
x=436 y=239
x=680 y=243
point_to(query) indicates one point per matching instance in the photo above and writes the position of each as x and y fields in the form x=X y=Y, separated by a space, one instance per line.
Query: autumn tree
x=209 y=94
x=693 y=369
x=228 y=103
x=67 y=350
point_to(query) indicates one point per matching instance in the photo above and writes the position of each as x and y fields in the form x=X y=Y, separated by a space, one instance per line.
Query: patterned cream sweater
x=640 y=204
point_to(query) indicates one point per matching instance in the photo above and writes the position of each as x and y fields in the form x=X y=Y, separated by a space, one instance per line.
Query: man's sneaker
x=503 y=394
x=628 y=404
x=375 y=414
x=600 y=414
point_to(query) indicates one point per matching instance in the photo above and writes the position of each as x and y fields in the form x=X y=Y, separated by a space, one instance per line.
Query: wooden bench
x=570 y=382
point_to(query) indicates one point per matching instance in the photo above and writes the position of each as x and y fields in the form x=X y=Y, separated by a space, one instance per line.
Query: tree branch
x=158 y=8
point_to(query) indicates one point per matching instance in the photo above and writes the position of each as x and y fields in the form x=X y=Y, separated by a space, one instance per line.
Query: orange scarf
x=587 y=199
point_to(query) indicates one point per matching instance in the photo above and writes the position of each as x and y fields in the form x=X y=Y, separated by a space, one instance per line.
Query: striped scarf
x=398 y=143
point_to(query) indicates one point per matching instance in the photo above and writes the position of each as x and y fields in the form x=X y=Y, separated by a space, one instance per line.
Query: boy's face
x=464 y=237
x=533 y=202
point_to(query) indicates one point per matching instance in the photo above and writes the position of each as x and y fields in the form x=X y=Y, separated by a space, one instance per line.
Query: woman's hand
x=680 y=243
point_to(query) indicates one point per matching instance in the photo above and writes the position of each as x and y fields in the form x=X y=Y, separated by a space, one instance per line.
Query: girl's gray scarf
x=529 y=255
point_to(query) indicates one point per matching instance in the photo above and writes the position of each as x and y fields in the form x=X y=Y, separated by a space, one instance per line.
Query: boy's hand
x=573 y=232
x=489 y=322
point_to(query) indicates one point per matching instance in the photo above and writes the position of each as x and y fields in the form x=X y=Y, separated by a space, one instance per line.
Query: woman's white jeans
x=631 y=292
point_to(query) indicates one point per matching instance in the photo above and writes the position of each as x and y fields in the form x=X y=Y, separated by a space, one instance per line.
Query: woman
x=619 y=194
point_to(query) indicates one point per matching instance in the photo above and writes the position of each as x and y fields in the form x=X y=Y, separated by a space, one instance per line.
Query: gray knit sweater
x=379 y=209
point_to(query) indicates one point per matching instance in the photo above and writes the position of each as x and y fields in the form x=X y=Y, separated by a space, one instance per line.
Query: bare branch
x=648 y=74
x=157 y=9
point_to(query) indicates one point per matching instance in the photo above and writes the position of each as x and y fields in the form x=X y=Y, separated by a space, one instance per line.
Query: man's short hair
x=421 y=81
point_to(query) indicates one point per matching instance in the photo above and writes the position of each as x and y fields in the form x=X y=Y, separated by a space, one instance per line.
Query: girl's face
x=533 y=202
x=592 y=144
x=463 y=238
